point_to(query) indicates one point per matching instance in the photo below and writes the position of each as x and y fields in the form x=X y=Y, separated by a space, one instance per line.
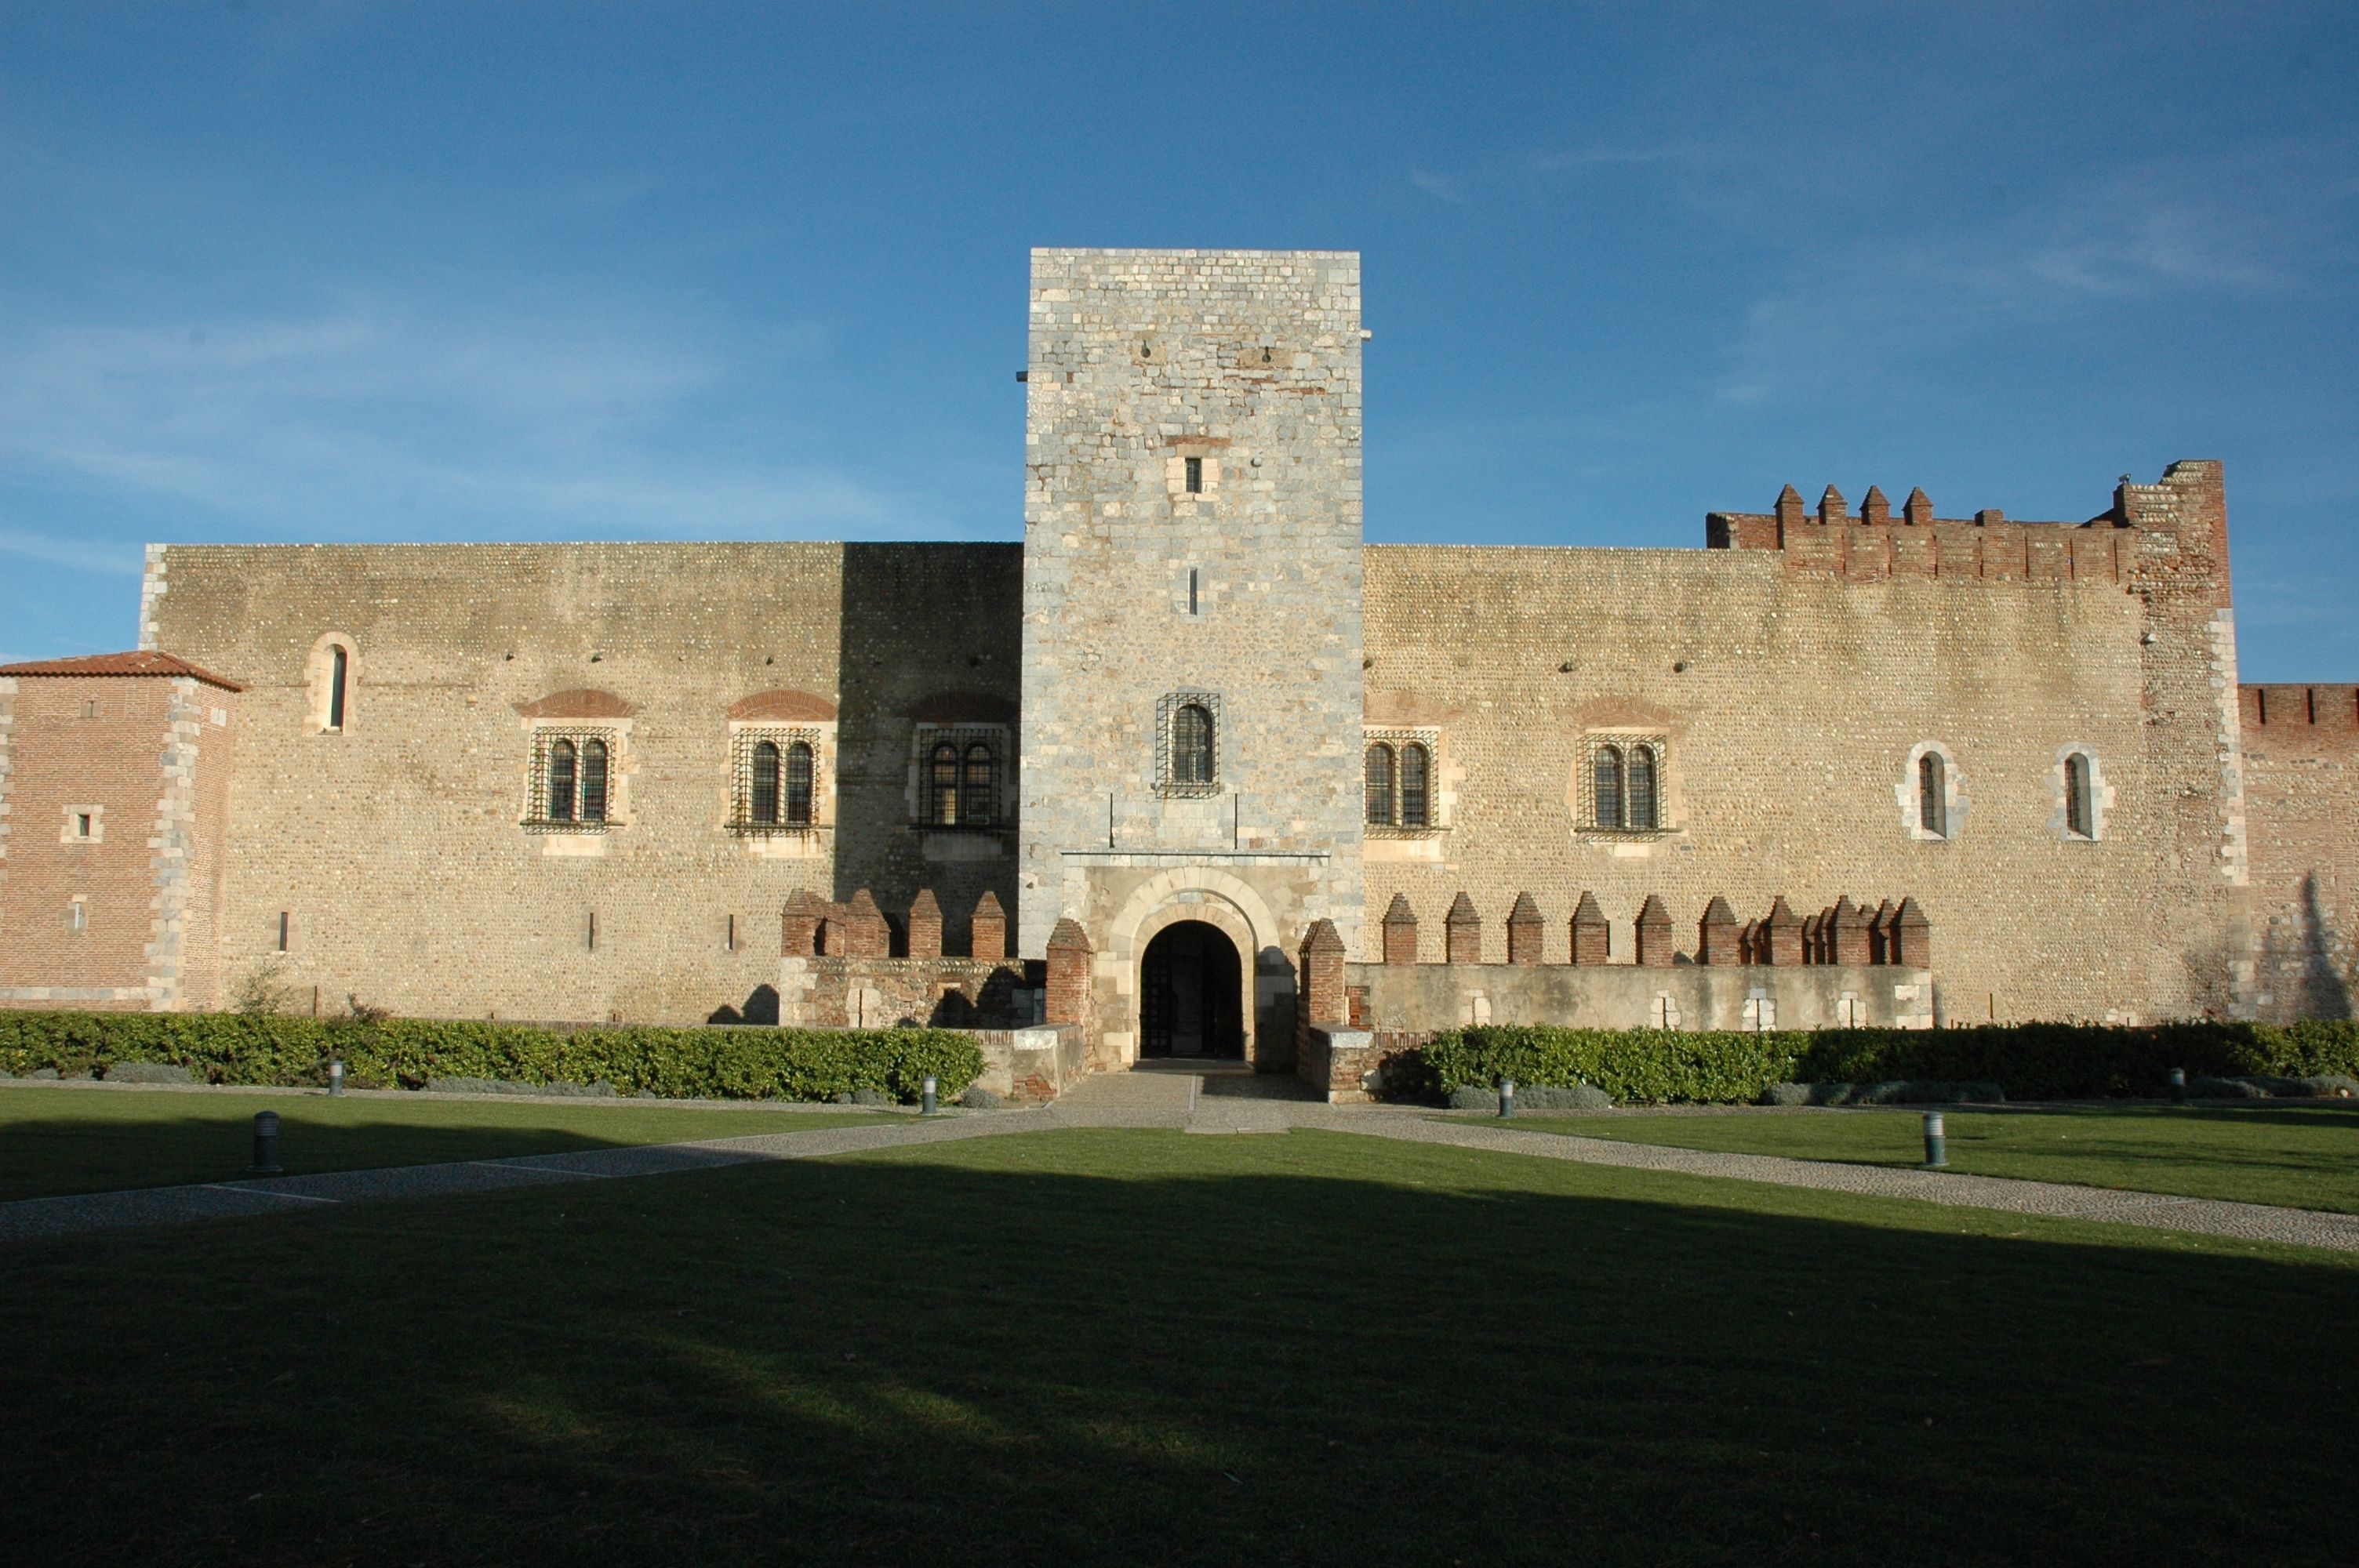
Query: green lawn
x=2299 y=1157
x=1151 y=1347
x=86 y=1141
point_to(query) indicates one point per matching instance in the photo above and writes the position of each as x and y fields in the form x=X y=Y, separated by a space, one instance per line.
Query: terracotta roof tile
x=144 y=662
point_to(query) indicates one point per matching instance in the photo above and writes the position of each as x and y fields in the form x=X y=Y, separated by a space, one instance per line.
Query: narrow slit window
x=593 y=780
x=2076 y=796
x=1414 y=767
x=1380 y=772
x=1932 y=810
x=798 y=781
x=282 y=931
x=763 y=802
x=560 y=782
x=1191 y=590
x=944 y=783
x=975 y=792
x=1607 y=783
x=1195 y=467
x=1191 y=745
x=1643 y=798
x=338 y=669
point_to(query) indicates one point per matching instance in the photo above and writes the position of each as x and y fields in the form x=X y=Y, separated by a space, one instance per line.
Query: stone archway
x=1199 y=893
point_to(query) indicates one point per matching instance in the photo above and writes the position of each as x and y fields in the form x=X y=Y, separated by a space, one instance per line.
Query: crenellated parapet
x=1846 y=933
x=1876 y=542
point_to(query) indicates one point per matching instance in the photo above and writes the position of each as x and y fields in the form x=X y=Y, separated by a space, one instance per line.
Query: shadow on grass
x=1150 y=1348
x=86 y=1152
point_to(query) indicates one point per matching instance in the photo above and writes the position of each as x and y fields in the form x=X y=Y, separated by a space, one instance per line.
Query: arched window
x=1413 y=768
x=338 y=668
x=1379 y=777
x=560 y=782
x=942 y=782
x=2077 y=816
x=975 y=794
x=798 y=781
x=593 y=780
x=1191 y=745
x=762 y=804
x=1607 y=775
x=1642 y=787
x=1932 y=808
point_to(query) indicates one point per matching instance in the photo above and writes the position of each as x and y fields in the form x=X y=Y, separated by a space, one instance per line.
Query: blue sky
x=376 y=272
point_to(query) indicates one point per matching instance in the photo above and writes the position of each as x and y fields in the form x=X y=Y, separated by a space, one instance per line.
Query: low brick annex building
x=1192 y=742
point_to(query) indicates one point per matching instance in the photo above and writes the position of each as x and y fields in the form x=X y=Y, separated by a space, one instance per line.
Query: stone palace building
x=1193 y=769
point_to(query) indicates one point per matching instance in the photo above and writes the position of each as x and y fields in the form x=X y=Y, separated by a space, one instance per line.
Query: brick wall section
x=926 y=925
x=1462 y=932
x=2302 y=796
x=1400 y=932
x=396 y=847
x=988 y=928
x=150 y=759
x=1323 y=1004
x=1069 y=975
x=1524 y=931
x=1791 y=694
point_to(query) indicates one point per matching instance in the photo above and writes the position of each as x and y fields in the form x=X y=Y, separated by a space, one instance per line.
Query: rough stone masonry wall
x=396 y=847
x=1793 y=702
x=1138 y=589
x=2301 y=801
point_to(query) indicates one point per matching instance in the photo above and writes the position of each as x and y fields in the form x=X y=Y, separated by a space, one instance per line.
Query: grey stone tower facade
x=1191 y=684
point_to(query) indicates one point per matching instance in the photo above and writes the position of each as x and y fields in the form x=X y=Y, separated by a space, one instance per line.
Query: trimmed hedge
x=2029 y=1061
x=678 y=1063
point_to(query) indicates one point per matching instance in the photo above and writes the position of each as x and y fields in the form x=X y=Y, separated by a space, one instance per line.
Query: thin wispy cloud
x=2147 y=236
x=1604 y=157
x=77 y=554
x=361 y=418
x=1435 y=186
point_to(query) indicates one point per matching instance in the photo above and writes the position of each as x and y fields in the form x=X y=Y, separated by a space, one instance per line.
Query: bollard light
x=1506 y=1096
x=1937 y=1146
x=2178 y=1085
x=335 y=1077
x=926 y=1096
x=265 y=1143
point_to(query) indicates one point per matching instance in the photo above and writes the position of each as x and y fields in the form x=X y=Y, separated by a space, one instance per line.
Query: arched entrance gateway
x=1190 y=993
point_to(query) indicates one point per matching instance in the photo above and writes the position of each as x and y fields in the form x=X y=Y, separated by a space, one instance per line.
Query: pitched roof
x=144 y=662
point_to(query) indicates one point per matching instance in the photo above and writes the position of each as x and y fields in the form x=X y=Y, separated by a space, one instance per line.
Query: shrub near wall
x=2032 y=1061
x=717 y=1064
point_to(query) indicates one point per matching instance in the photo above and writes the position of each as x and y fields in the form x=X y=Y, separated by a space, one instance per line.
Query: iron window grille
x=1397 y=783
x=774 y=775
x=1621 y=785
x=573 y=780
x=961 y=773
x=1188 y=743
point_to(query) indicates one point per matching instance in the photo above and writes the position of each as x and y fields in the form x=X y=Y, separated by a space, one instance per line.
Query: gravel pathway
x=1206 y=1103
